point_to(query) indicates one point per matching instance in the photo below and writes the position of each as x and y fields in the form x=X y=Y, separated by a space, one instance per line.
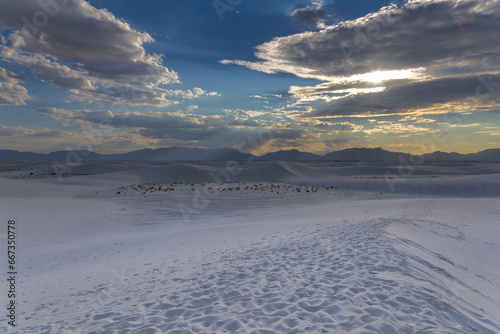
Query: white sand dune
x=280 y=248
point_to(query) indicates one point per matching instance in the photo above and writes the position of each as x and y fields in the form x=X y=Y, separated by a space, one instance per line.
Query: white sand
x=263 y=258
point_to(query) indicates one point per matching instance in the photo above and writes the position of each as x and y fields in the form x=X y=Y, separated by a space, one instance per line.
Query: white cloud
x=6 y=131
x=491 y=133
x=11 y=92
x=441 y=47
x=51 y=71
x=190 y=93
x=419 y=34
x=88 y=52
x=101 y=44
x=403 y=130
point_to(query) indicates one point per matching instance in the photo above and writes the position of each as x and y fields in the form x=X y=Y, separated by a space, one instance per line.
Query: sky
x=113 y=76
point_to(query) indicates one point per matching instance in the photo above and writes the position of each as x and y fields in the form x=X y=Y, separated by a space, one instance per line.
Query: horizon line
x=223 y=148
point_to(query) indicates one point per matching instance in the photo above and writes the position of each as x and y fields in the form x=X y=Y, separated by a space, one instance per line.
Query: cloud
x=343 y=126
x=101 y=44
x=190 y=93
x=151 y=125
x=403 y=130
x=161 y=125
x=336 y=141
x=164 y=122
x=88 y=52
x=431 y=97
x=11 y=92
x=52 y=71
x=413 y=118
x=444 y=34
x=6 y=131
x=310 y=16
x=491 y=133
x=441 y=47
x=49 y=140
x=224 y=130
x=150 y=120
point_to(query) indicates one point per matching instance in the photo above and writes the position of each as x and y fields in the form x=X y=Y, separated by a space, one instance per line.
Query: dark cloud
x=444 y=44
x=101 y=44
x=474 y=92
x=50 y=133
x=153 y=125
x=87 y=51
x=309 y=16
x=193 y=135
x=226 y=131
x=288 y=134
x=336 y=141
x=152 y=120
x=440 y=35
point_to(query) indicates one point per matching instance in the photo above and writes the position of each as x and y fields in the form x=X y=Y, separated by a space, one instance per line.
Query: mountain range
x=227 y=154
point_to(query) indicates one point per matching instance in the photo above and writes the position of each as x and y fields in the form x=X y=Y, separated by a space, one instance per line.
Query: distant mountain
x=16 y=155
x=365 y=154
x=291 y=155
x=228 y=154
x=183 y=154
x=53 y=156
x=162 y=154
x=443 y=156
x=61 y=155
x=486 y=155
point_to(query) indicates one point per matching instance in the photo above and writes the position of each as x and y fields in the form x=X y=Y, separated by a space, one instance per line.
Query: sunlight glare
x=379 y=76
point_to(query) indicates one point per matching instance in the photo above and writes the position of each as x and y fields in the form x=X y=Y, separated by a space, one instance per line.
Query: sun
x=380 y=76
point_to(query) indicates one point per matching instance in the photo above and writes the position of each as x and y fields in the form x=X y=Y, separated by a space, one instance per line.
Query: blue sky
x=116 y=76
